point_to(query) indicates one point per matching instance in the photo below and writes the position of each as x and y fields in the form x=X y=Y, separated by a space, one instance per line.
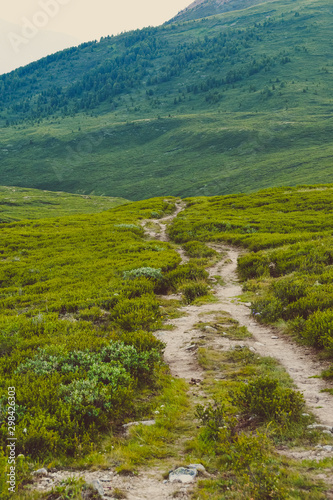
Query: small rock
x=321 y=427
x=189 y=348
x=328 y=448
x=195 y=381
x=106 y=479
x=305 y=415
x=327 y=432
x=144 y=422
x=274 y=337
x=183 y=475
x=98 y=487
x=40 y=472
x=259 y=343
x=252 y=349
x=198 y=467
x=209 y=329
x=165 y=481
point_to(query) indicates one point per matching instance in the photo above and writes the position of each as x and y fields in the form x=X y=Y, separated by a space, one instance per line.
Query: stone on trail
x=321 y=427
x=41 y=472
x=98 y=486
x=183 y=475
x=144 y=422
x=197 y=467
x=208 y=328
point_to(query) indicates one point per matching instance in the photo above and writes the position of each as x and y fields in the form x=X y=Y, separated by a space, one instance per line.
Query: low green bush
x=253 y=266
x=197 y=249
x=192 y=291
x=266 y=399
x=318 y=330
x=183 y=273
x=138 y=313
x=144 y=272
x=267 y=309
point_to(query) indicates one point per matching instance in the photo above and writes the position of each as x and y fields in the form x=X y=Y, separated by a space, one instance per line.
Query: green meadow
x=21 y=203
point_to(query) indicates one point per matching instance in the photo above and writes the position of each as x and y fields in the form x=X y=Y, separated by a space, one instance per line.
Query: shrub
x=318 y=329
x=92 y=314
x=197 y=249
x=183 y=273
x=318 y=298
x=138 y=287
x=146 y=272
x=290 y=288
x=192 y=291
x=253 y=266
x=130 y=227
x=213 y=417
x=141 y=313
x=266 y=399
x=267 y=309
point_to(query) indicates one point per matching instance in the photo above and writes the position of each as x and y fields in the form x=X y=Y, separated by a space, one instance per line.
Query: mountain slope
x=204 y=8
x=19 y=203
x=231 y=103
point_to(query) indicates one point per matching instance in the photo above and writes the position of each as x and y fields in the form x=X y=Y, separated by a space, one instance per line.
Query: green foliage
x=318 y=329
x=265 y=399
x=184 y=273
x=73 y=489
x=146 y=272
x=197 y=249
x=20 y=203
x=247 y=455
x=194 y=290
x=213 y=417
x=75 y=335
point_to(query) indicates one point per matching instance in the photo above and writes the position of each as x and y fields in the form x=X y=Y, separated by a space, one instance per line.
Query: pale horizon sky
x=31 y=29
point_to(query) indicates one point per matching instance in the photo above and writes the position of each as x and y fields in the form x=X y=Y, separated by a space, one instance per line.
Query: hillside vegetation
x=229 y=103
x=19 y=203
x=80 y=299
x=288 y=271
x=76 y=322
x=205 y=8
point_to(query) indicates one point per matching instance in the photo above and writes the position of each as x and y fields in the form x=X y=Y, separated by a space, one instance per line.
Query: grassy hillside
x=231 y=103
x=205 y=8
x=289 y=270
x=19 y=203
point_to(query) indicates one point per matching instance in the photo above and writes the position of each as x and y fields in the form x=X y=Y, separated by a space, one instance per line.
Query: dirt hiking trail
x=181 y=356
x=266 y=340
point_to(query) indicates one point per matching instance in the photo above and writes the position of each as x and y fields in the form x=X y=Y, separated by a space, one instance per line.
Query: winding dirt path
x=267 y=341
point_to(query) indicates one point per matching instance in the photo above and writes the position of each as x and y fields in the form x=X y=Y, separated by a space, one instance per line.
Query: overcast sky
x=30 y=29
